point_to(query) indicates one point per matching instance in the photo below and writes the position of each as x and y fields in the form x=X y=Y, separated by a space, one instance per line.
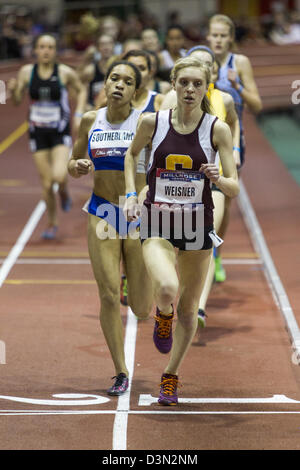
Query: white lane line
x=147 y=400
x=137 y=412
x=22 y=240
x=270 y=271
x=121 y=418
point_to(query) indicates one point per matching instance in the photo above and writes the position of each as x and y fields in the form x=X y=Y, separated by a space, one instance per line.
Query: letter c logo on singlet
x=184 y=160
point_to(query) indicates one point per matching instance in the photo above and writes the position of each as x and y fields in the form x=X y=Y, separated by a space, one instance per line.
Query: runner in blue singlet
x=235 y=77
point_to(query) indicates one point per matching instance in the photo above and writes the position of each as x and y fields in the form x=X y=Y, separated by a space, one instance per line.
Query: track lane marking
x=22 y=240
x=123 y=408
x=14 y=136
x=277 y=289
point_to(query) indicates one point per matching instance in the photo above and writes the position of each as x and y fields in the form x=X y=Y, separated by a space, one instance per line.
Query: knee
x=59 y=177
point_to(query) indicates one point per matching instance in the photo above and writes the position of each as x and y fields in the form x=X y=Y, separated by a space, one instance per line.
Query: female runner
x=236 y=78
x=182 y=166
x=49 y=121
x=107 y=133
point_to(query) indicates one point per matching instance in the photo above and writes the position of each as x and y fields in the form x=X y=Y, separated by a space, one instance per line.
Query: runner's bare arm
x=250 y=92
x=222 y=140
x=17 y=86
x=78 y=165
x=142 y=138
x=233 y=122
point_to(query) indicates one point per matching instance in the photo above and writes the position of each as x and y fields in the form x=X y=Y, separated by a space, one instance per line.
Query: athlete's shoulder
x=88 y=118
x=241 y=60
x=147 y=122
x=26 y=70
x=221 y=128
x=66 y=70
x=227 y=98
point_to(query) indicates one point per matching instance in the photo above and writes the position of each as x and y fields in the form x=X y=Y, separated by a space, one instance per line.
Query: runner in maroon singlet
x=181 y=170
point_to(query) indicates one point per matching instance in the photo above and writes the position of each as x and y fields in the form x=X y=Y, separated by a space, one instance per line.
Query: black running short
x=183 y=243
x=43 y=138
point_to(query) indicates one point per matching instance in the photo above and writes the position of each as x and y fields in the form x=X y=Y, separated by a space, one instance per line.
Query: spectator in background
x=10 y=47
x=131 y=28
x=174 y=50
x=155 y=83
x=93 y=75
x=111 y=25
x=284 y=31
x=131 y=45
x=150 y=40
x=86 y=36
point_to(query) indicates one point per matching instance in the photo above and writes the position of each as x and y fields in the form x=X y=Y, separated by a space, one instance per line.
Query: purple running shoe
x=162 y=334
x=168 y=390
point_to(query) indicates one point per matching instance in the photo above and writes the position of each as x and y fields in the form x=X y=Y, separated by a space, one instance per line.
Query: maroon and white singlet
x=173 y=171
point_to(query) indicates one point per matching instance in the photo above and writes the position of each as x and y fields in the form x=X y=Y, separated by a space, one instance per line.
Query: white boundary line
x=270 y=271
x=138 y=412
x=121 y=418
x=22 y=240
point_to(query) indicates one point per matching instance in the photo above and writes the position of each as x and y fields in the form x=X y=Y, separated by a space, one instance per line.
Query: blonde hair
x=185 y=62
x=228 y=22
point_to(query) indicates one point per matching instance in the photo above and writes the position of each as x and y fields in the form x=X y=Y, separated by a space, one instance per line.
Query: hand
x=11 y=86
x=83 y=166
x=232 y=77
x=131 y=209
x=211 y=171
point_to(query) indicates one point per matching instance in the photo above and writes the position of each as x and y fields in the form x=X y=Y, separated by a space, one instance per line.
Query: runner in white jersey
x=107 y=133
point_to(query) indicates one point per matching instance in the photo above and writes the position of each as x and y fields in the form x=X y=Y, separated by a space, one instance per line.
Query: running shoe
x=162 y=334
x=201 y=318
x=123 y=291
x=220 y=274
x=50 y=233
x=120 y=386
x=168 y=390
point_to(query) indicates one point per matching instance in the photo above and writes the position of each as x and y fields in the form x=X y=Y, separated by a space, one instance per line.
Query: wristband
x=77 y=114
x=131 y=194
x=237 y=148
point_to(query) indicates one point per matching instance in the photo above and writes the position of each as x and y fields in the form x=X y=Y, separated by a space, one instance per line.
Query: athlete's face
x=190 y=86
x=106 y=46
x=141 y=63
x=219 y=38
x=45 y=49
x=175 y=40
x=150 y=40
x=120 y=84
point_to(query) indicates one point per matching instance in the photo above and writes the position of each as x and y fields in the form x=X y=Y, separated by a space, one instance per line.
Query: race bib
x=112 y=143
x=45 y=114
x=178 y=187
